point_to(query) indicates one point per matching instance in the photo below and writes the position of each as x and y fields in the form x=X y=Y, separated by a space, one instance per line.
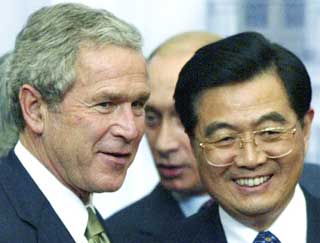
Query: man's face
x=93 y=137
x=169 y=143
x=253 y=185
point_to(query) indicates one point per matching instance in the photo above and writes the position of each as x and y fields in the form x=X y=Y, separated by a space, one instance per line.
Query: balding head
x=187 y=42
x=169 y=143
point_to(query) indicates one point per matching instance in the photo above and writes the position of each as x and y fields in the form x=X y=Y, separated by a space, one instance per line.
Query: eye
x=224 y=140
x=152 y=119
x=270 y=134
x=104 y=104
x=138 y=107
x=105 y=107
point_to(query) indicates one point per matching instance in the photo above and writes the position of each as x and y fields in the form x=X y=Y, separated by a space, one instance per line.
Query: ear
x=32 y=108
x=307 y=127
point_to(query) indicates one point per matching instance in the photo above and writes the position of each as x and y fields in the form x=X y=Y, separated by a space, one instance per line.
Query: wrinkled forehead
x=110 y=70
x=110 y=60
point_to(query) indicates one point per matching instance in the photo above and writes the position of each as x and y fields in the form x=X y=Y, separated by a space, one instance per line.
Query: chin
x=107 y=188
x=110 y=185
x=180 y=189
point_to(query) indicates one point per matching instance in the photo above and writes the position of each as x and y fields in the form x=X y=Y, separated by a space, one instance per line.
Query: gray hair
x=8 y=130
x=47 y=48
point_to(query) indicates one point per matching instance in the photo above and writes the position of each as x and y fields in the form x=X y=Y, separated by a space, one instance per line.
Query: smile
x=251 y=182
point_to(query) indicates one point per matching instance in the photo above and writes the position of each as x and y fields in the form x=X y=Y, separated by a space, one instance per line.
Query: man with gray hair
x=77 y=87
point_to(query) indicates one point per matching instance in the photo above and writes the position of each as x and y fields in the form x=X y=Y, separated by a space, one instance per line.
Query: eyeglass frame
x=242 y=141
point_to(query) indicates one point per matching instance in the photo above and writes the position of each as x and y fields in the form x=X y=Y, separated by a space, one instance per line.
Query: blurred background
x=292 y=23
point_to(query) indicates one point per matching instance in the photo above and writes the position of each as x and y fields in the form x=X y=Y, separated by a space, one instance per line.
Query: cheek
x=152 y=135
x=292 y=167
x=84 y=133
x=188 y=148
x=77 y=120
x=211 y=176
x=293 y=163
x=140 y=125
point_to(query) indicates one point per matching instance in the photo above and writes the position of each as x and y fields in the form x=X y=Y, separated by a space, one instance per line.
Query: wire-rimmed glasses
x=275 y=142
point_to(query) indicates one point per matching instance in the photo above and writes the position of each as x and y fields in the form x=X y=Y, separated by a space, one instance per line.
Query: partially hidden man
x=180 y=192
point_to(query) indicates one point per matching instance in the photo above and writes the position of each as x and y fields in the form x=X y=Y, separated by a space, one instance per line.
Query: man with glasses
x=245 y=104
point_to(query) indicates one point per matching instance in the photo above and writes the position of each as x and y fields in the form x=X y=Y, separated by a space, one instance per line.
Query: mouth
x=170 y=171
x=252 y=181
x=119 y=158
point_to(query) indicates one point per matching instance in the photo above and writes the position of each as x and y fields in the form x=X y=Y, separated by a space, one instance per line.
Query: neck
x=188 y=194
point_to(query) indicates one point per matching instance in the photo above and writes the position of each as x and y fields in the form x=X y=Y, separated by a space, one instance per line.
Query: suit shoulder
x=133 y=210
x=147 y=207
x=204 y=226
x=145 y=217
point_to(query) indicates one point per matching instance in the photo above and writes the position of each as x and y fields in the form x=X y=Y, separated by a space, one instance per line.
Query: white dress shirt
x=69 y=208
x=190 y=204
x=290 y=226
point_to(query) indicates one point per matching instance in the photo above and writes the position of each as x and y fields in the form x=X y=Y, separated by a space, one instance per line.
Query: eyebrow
x=272 y=116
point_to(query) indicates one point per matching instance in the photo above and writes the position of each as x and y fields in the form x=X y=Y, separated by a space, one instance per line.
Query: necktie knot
x=95 y=232
x=266 y=237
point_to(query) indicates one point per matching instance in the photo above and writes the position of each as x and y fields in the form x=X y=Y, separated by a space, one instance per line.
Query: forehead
x=163 y=75
x=110 y=69
x=245 y=101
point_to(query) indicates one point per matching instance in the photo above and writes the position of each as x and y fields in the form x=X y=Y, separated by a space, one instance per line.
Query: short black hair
x=236 y=59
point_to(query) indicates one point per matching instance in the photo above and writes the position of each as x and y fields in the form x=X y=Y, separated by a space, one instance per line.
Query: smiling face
x=169 y=143
x=93 y=137
x=254 y=189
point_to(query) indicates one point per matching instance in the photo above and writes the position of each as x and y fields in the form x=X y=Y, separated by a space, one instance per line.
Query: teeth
x=252 y=181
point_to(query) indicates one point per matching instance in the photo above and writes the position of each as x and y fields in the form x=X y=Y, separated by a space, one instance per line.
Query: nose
x=166 y=141
x=249 y=154
x=128 y=125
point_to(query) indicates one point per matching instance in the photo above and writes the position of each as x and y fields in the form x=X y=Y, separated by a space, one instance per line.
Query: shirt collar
x=190 y=204
x=294 y=215
x=67 y=205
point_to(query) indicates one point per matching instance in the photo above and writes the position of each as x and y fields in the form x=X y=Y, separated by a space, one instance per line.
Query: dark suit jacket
x=26 y=216
x=145 y=218
x=206 y=226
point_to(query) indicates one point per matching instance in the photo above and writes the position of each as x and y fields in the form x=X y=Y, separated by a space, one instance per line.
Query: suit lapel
x=29 y=202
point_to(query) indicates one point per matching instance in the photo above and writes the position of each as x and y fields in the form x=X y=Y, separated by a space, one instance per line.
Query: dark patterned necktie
x=95 y=232
x=266 y=237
